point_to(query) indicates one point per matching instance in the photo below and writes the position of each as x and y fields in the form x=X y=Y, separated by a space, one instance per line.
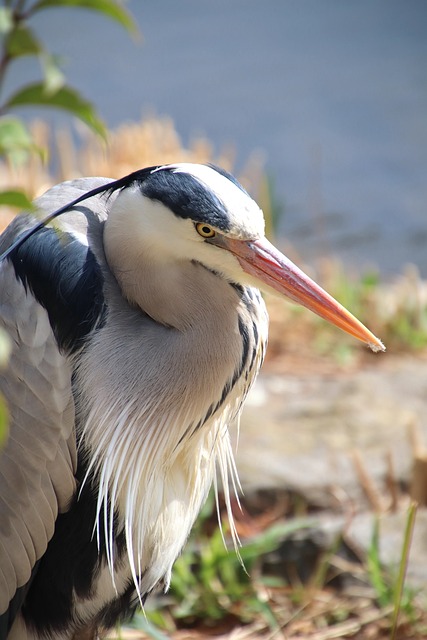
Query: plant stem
x=409 y=529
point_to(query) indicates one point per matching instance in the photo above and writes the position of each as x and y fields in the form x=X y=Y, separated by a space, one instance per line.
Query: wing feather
x=37 y=464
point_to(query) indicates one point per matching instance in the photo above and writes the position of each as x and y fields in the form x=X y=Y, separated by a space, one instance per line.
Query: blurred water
x=333 y=92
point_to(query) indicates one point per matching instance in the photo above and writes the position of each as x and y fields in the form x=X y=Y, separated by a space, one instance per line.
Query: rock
x=391 y=535
x=299 y=553
x=301 y=432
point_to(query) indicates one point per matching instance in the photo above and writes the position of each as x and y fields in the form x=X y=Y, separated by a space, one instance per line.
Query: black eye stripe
x=187 y=197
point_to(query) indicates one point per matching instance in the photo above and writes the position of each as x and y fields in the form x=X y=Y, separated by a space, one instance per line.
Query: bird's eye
x=205 y=230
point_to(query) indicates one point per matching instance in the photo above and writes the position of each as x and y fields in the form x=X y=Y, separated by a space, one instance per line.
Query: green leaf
x=22 y=42
x=109 y=8
x=65 y=98
x=13 y=133
x=16 y=142
x=17 y=199
x=6 y=20
x=54 y=79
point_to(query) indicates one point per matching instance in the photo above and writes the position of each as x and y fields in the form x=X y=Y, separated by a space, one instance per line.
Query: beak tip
x=376 y=346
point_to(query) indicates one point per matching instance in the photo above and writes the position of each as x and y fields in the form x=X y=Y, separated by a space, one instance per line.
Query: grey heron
x=137 y=329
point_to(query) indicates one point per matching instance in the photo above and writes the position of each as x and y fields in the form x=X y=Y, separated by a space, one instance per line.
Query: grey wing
x=38 y=461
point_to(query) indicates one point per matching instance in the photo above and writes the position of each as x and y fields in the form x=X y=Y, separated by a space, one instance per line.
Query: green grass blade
x=409 y=529
x=143 y=624
x=375 y=570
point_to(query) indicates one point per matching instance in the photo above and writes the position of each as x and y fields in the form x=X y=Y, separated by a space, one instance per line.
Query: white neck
x=160 y=384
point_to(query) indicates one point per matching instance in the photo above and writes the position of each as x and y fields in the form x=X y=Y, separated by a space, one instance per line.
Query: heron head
x=195 y=213
x=186 y=213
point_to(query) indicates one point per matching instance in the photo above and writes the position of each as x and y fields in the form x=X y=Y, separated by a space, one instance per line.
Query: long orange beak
x=266 y=264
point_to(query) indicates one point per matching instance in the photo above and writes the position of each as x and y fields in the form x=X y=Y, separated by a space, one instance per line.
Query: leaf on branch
x=16 y=199
x=110 y=8
x=16 y=142
x=6 y=20
x=54 y=79
x=22 y=42
x=65 y=98
x=13 y=132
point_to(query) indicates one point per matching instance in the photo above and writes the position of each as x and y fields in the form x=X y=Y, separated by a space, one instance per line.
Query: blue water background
x=333 y=92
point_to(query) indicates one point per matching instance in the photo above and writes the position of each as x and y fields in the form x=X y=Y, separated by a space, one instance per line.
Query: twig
x=391 y=482
x=367 y=483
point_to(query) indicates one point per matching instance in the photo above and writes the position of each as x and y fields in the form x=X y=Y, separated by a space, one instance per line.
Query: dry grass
x=130 y=147
x=316 y=619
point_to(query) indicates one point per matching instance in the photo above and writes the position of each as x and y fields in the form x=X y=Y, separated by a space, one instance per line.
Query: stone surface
x=301 y=431
x=320 y=533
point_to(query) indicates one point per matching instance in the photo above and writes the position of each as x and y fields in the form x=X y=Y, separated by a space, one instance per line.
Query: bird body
x=137 y=330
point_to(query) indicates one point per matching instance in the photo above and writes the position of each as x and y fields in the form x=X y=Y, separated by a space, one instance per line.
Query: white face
x=148 y=227
x=141 y=231
x=154 y=232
